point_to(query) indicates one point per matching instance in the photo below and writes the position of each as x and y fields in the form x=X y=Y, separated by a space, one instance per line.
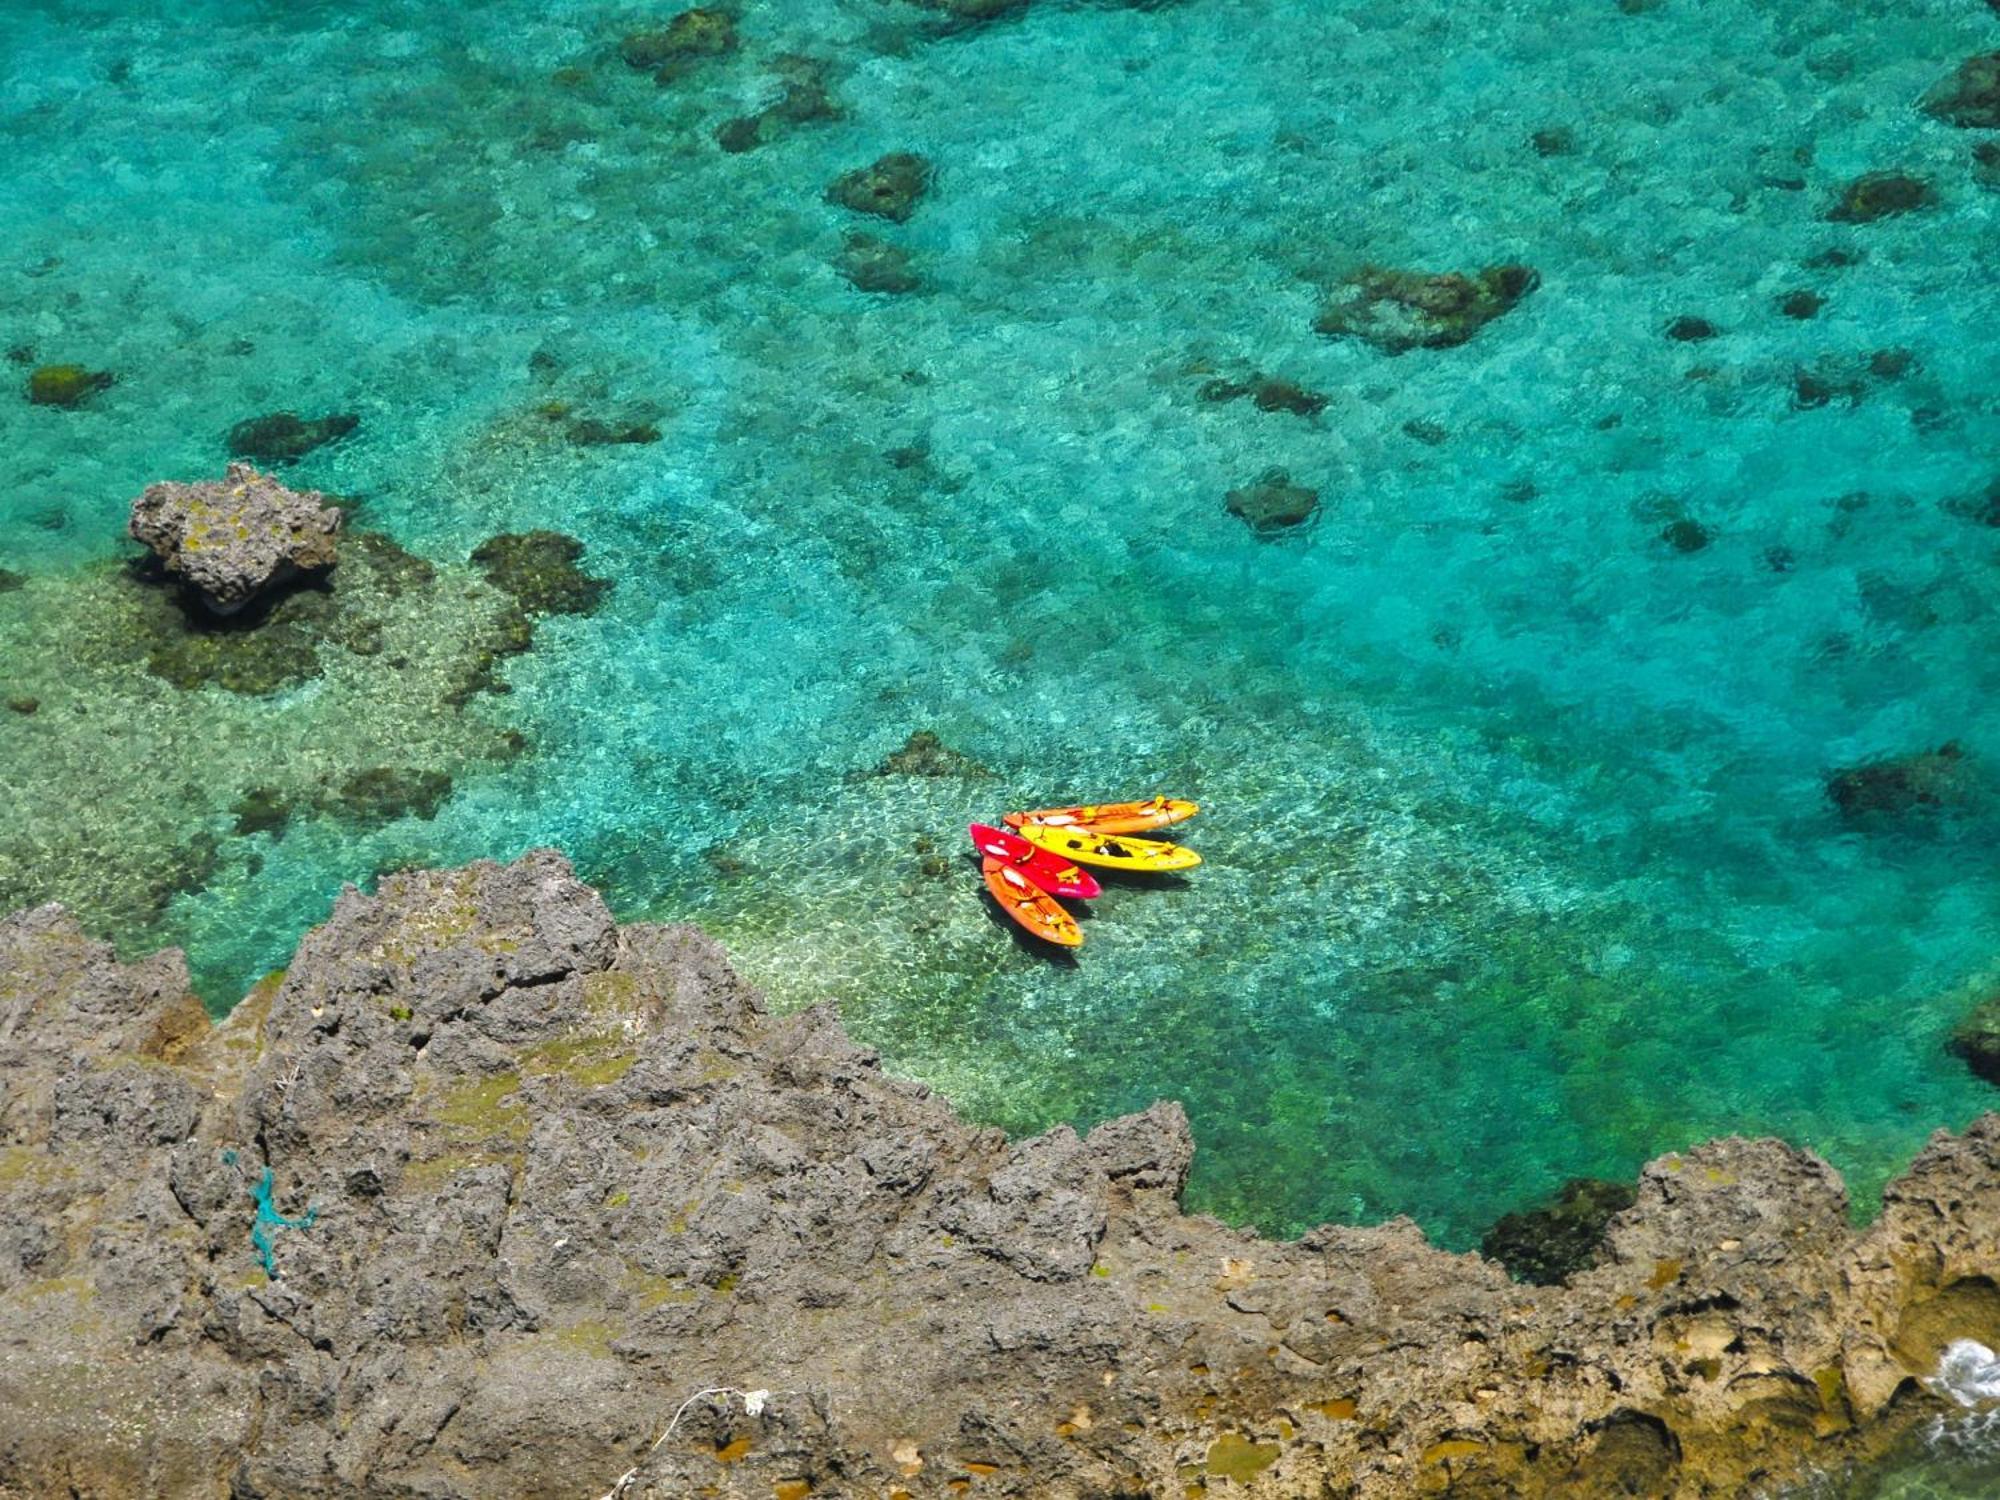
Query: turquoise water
x=1520 y=863
x=1953 y=1458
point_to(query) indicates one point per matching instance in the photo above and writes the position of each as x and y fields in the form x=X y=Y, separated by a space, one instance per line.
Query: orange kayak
x=1029 y=905
x=1108 y=817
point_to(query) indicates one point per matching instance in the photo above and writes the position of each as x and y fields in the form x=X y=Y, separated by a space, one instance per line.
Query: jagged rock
x=1928 y=779
x=889 y=187
x=1397 y=311
x=482 y=1189
x=670 y=51
x=924 y=754
x=1977 y=1039
x=539 y=568
x=285 y=437
x=1971 y=96
x=1272 y=503
x=1880 y=195
x=873 y=264
x=1551 y=1242
x=233 y=541
x=66 y=385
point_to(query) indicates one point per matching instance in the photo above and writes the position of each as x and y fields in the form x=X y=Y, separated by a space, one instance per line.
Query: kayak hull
x=1033 y=908
x=1109 y=817
x=1057 y=876
x=1111 y=852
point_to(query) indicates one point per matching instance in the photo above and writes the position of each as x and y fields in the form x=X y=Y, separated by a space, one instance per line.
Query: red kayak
x=1051 y=872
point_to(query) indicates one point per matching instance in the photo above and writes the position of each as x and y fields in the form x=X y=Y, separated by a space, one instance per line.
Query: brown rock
x=1272 y=503
x=1397 y=311
x=1970 y=97
x=1881 y=195
x=889 y=187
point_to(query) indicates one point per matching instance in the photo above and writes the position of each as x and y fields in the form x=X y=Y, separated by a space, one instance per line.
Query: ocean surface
x=1520 y=857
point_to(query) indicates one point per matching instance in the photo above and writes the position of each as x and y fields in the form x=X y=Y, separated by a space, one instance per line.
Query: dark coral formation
x=1801 y=304
x=1272 y=503
x=1397 y=311
x=285 y=437
x=1688 y=329
x=1977 y=1039
x=872 y=264
x=1926 y=780
x=1970 y=97
x=66 y=385
x=1266 y=393
x=480 y=1192
x=383 y=794
x=235 y=540
x=1686 y=535
x=924 y=754
x=1881 y=195
x=889 y=187
x=1550 y=1243
x=539 y=568
x=689 y=38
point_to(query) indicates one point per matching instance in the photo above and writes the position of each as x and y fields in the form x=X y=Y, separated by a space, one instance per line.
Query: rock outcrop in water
x=889 y=187
x=234 y=540
x=1398 y=311
x=484 y=1190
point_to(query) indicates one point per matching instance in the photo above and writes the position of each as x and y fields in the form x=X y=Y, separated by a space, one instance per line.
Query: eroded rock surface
x=232 y=540
x=526 y=1182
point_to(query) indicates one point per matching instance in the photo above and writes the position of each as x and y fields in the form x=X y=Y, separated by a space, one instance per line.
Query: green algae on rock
x=233 y=541
x=539 y=569
x=1397 y=310
x=1881 y=195
x=1970 y=98
x=1551 y=1242
x=66 y=385
x=285 y=437
x=1977 y=1039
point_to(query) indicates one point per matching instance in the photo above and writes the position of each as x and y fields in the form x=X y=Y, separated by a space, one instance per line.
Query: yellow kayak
x=1110 y=852
x=1110 y=817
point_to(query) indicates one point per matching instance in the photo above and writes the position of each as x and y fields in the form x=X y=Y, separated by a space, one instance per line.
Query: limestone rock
x=231 y=541
x=482 y=1189
x=1397 y=311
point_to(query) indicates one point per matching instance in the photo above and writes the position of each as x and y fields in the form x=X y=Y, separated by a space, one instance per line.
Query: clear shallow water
x=1519 y=859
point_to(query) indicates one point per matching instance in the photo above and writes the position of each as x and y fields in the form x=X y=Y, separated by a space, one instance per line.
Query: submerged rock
x=924 y=754
x=1981 y=505
x=1986 y=164
x=889 y=187
x=804 y=98
x=1686 y=535
x=594 y=432
x=539 y=568
x=1550 y=1243
x=1970 y=97
x=1904 y=784
x=671 y=50
x=1397 y=311
x=480 y=1193
x=1977 y=1039
x=1881 y=195
x=383 y=794
x=1267 y=393
x=233 y=541
x=10 y=580
x=872 y=264
x=285 y=437
x=1688 y=329
x=1272 y=503
x=66 y=385
x=1801 y=304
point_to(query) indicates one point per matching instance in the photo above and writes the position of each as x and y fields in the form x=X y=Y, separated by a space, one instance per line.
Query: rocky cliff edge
x=477 y=1195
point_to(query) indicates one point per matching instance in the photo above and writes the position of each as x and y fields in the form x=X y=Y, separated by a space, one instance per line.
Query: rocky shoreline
x=485 y=1191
